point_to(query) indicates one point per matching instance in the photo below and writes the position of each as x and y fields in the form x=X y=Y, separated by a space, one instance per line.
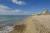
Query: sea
x=7 y=22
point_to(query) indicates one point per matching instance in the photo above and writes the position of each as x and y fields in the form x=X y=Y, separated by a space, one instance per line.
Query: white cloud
x=5 y=7
x=18 y=2
x=4 y=10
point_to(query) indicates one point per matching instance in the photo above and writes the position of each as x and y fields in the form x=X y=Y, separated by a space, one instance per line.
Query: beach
x=7 y=22
x=36 y=24
x=30 y=24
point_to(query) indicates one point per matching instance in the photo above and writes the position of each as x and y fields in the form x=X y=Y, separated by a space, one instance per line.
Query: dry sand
x=37 y=24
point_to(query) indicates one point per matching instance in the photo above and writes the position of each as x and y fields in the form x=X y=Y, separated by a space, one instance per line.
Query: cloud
x=18 y=2
x=4 y=7
x=5 y=10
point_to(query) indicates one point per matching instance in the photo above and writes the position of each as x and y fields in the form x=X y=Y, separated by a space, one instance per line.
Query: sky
x=22 y=7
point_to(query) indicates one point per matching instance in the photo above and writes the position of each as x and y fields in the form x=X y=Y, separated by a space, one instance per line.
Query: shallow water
x=10 y=19
x=7 y=21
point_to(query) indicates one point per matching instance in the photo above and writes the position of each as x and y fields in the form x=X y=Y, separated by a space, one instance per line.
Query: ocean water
x=7 y=20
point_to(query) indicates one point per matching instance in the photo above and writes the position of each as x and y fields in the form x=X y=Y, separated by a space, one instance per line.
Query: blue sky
x=23 y=7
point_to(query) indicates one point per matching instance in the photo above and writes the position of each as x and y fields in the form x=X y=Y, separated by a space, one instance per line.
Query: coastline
x=36 y=24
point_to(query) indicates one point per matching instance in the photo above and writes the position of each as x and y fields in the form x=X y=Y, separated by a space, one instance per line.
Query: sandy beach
x=36 y=24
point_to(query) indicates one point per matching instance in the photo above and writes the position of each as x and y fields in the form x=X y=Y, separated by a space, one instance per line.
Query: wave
x=7 y=29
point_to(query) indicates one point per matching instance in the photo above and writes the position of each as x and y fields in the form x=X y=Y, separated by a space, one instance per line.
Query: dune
x=41 y=23
x=35 y=24
x=38 y=24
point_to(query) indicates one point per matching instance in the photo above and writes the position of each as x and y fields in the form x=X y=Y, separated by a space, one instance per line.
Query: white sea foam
x=7 y=29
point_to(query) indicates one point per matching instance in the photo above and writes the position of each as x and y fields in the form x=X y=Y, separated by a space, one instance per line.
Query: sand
x=36 y=24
